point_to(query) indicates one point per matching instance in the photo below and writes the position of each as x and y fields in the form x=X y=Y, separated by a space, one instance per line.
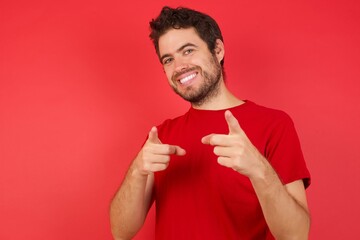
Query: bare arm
x=284 y=207
x=131 y=204
x=133 y=200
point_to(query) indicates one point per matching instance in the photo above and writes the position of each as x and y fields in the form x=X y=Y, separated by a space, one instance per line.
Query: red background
x=80 y=87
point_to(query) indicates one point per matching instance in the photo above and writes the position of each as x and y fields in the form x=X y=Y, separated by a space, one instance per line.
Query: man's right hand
x=155 y=156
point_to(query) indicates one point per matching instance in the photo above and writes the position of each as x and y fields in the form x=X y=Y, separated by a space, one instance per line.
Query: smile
x=187 y=78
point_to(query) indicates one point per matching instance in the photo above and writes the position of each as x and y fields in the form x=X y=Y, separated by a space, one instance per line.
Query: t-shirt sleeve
x=284 y=152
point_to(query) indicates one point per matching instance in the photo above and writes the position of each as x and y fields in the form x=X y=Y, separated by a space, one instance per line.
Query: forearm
x=130 y=205
x=286 y=217
x=133 y=200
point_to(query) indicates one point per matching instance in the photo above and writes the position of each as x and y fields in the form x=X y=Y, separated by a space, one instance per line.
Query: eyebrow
x=178 y=50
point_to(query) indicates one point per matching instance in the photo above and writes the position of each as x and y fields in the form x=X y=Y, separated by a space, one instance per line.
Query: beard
x=208 y=89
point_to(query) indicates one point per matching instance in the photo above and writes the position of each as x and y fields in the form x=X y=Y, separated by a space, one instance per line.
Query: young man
x=226 y=169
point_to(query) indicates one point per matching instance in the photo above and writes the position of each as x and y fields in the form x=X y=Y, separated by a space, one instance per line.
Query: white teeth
x=185 y=79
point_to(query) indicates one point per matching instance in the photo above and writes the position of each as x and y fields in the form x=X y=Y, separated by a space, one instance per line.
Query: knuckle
x=146 y=167
x=170 y=149
x=163 y=166
x=146 y=149
x=146 y=157
x=236 y=162
x=216 y=150
x=240 y=147
x=166 y=159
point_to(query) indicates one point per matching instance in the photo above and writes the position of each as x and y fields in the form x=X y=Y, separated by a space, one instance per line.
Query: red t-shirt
x=196 y=198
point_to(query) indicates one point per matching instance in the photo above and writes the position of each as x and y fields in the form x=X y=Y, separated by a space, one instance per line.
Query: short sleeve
x=284 y=152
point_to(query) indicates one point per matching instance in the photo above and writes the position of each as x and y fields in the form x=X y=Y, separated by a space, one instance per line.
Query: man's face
x=192 y=70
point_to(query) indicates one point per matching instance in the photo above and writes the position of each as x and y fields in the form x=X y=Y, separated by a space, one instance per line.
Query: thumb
x=179 y=151
x=153 y=136
x=206 y=139
x=233 y=124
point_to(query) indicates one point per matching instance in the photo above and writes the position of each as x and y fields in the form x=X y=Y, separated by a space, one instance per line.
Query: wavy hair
x=176 y=18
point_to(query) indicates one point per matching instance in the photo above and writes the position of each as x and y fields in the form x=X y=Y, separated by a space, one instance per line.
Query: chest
x=196 y=179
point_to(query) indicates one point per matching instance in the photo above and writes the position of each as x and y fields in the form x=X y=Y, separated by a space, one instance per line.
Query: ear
x=219 y=50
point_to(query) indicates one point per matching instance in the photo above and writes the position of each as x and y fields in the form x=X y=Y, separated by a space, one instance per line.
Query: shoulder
x=256 y=112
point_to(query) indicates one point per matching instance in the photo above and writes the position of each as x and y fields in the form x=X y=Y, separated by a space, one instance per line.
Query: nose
x=180 y=65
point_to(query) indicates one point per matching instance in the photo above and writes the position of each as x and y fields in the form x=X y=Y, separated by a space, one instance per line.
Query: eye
x=188 y=51
x=167 y=61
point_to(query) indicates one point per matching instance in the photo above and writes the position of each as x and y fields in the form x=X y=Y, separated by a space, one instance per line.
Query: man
x=226 y=169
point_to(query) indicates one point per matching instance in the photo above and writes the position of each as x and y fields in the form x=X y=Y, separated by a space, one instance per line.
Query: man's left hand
x=235 y=150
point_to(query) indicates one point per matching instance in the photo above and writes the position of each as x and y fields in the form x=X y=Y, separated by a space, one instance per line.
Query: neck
x=223 y=100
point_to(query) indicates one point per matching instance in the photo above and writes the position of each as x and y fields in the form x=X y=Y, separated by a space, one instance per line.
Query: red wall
x=80 y=87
